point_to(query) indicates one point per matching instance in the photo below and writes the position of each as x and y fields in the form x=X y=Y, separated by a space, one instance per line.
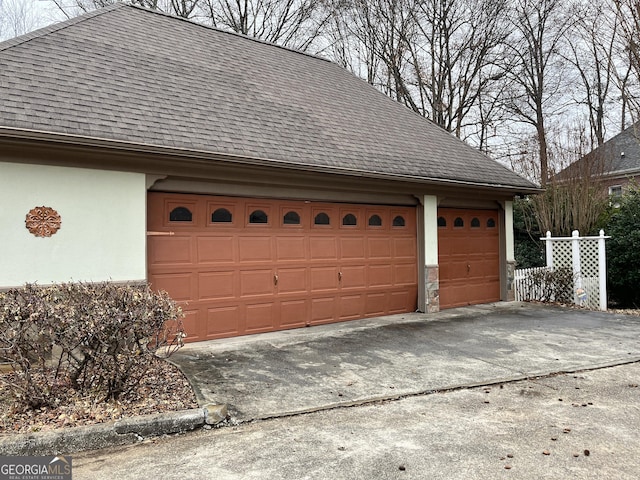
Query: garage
x=282 y=192
x=468 y=257
x=246 y=265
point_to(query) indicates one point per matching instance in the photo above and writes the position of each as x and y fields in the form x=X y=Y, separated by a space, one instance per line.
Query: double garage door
x=244 y=265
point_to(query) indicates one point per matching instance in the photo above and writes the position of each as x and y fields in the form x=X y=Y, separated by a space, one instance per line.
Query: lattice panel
x=589 y=269
x=589 y=258
x=591 y=286
x=562 y=254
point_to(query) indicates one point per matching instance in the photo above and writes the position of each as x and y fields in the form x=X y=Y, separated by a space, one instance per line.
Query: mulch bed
x=163 y=389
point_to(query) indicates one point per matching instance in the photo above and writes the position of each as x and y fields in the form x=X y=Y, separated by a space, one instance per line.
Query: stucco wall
x=103 y=232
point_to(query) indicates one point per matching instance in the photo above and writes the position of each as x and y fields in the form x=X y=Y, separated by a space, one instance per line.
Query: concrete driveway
x=324 y=367
x=581 y=426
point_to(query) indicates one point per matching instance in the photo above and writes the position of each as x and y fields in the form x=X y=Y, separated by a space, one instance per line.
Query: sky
x=21 y=16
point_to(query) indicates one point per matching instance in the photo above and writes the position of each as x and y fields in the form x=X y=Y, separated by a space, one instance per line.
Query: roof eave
x=133 y=147
x=622 y=173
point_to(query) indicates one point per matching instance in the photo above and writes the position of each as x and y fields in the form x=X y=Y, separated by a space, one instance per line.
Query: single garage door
x=246 y=265
x=469 y=257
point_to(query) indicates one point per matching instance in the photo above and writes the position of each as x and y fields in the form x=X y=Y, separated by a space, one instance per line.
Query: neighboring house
x=265 y=188
x=623 y=154
x=616 y=162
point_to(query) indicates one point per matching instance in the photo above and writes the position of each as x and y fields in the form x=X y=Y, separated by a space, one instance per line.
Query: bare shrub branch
x=91 y=338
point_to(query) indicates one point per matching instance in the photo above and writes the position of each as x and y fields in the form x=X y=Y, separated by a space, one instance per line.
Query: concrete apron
x=329 y=366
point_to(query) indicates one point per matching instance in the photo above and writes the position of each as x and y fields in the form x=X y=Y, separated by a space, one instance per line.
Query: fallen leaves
x=163 y=389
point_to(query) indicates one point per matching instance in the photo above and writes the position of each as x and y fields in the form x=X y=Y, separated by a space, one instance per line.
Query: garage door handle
x=468 y=267
x=275 y=280
x=339 y=276
x=159 y=234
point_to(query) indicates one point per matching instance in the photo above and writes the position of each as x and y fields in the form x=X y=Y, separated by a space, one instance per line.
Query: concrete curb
x=111 y=434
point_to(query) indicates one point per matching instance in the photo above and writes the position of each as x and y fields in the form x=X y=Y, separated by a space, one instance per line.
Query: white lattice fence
x=585 y=256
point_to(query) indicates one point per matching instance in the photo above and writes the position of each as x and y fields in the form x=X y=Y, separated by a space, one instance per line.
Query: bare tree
x=178 y=8
x=536 y=72
x=438 y=57
x=292 y=23
x=379 y=33
x=454 y=65
x=628 y=13
x=592 y=49
x=575 y=198
x=17 y=17
x=355 y=52
x=623 y=77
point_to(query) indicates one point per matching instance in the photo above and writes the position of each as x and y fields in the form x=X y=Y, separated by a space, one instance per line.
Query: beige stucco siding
x=103 y=232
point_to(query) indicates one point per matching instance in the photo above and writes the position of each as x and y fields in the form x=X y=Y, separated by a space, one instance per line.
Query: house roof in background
x=622 y=151
x=617 y=157
x=132 y=75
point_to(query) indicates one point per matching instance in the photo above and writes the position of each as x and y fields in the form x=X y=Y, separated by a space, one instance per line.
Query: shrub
x=96 y=339
x=623 y=251
x=529 y=250
x=553 y=285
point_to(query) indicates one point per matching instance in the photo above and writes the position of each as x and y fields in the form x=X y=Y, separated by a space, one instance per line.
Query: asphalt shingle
x=129 y=74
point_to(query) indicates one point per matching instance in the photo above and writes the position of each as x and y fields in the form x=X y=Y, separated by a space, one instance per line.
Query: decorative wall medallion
x=43 y=221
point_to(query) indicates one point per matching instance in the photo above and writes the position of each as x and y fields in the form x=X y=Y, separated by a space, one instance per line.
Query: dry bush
x=97 y=339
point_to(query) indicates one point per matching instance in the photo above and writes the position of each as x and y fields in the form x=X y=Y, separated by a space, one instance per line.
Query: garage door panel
x=217 y=285
x=352 y=248
x=444 y=272
x=404 y=274
x=260 y=317
x=323 y=278
x=166 y=250
x=478 y=291
x=461 y=242
x=294 y=313
x=351 y=306
x=444 y=248
x=375 y=304
x=400 y=300
x=354 y=277
x=404 y=247
x=323 y=310
x=292 y=280
x=291 y=248
x=216 y=249
x=456 y=295
x=380 y=275
x=379 y=247
x=255 y=249
x=223 y=321
x=256 y=282
x=179 y=285
x=458 y=269
x=323 y=248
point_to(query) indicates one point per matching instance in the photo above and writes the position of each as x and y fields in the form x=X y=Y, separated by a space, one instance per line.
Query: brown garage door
x=244 y=265
x=469 y=257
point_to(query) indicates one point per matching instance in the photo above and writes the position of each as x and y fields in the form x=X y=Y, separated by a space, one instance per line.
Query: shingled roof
x=623 y=151
x=616 y=158
x=128 y=74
